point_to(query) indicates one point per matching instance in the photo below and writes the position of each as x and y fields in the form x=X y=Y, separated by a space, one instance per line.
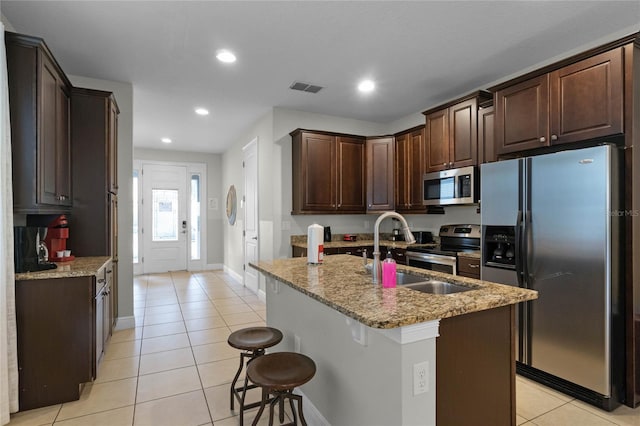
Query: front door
x=165 y=231
x=250 y=156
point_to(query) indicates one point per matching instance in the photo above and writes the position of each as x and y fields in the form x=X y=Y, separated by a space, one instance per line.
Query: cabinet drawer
x=469 y=267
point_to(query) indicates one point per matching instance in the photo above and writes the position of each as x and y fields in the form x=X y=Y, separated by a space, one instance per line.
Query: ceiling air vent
x=305 y=87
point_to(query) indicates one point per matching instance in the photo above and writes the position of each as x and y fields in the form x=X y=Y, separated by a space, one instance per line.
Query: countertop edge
x=80 y=267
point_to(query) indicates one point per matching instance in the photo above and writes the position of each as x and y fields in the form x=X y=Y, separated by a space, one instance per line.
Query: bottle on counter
x=389 y=272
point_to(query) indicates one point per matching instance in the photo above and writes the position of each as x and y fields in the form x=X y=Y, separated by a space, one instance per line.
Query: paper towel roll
x=315 y=248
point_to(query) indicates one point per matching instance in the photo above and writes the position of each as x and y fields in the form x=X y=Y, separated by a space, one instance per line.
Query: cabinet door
x=318 y=172
x=416 y=169
x=437 y=140
x=463 y=134
x=350 y=174
x=402 y=159
x=112 y=141
x=486 y=138
x=54 y=173
x=63 y=146
x=380 y=175
x=47 y=142
x=522 y=116
x=587 y=99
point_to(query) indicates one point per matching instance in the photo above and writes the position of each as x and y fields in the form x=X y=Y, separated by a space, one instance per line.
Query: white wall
x=213 y=163
x=123 y=93
x=232 y=174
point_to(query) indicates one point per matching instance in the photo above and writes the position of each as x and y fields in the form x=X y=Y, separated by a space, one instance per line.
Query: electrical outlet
x=296 y=343
x=420 y=378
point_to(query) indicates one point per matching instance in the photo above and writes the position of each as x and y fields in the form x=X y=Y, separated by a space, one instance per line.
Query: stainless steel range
x=443 y=257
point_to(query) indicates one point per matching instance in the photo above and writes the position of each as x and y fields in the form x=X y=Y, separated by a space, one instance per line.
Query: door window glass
x=135 y=216
x=195 y=217
x=165 y=214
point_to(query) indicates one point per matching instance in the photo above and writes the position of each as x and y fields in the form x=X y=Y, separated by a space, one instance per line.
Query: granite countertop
x=80 y=267
x=475 y=254
x=341 y=283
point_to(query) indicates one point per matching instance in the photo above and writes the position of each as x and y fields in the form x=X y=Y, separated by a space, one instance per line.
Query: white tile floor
x=175 y=367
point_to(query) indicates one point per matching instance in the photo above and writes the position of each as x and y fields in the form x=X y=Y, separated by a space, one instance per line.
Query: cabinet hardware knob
x=474 y=266
x=554 y=137
x=451 y=164
x=543 y=139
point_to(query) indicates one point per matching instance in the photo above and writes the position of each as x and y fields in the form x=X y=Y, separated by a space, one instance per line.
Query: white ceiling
x=420 y=53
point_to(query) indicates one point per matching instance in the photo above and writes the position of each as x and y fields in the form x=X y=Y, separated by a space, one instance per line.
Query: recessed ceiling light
x=366 y=86
x=166 y=140
x=202 y=111
x=226 y=56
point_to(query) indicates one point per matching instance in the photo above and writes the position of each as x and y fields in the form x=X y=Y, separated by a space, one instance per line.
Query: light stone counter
x=341 y=283
x=475 y=254
x=80 y=267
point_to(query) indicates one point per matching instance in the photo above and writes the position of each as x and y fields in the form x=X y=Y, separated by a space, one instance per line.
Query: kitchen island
x=377 y=350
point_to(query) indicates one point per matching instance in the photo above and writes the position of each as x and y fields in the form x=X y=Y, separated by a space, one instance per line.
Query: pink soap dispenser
x=389 y=272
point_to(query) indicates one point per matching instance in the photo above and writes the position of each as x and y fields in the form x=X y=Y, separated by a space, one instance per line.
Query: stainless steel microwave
x=454 y=186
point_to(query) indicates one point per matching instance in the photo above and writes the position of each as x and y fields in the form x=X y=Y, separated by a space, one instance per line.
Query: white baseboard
x=311 y=413
x=123 y=323
x=234 y=275
x=213 y=266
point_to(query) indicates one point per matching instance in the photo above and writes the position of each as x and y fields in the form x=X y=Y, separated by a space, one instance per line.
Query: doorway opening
x=169 y=218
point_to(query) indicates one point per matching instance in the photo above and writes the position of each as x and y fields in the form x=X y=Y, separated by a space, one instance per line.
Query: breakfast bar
x=395 y=355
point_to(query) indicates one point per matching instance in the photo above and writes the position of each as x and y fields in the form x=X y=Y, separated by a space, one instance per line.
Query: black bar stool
x=253 y=341
x=278 y=374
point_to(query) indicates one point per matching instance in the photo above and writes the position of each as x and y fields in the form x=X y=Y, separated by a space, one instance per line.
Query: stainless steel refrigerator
x=551 y=223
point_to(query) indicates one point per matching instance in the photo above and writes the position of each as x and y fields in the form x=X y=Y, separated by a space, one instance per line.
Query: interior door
x=251 y=253
x=165 y=230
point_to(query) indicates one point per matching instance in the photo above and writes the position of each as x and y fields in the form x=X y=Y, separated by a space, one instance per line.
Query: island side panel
x=355 y=384
x=476 y=367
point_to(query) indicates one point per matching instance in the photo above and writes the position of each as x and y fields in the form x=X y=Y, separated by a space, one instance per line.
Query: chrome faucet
x=408 y=237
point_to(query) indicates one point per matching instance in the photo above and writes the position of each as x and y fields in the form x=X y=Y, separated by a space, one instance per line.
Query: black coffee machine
x=29 y=250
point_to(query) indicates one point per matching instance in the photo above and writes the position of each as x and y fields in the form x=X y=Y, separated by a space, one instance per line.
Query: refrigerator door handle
x=527 y=246
x=519 y=250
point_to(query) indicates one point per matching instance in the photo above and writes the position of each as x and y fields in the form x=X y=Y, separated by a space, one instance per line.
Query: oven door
x=432 y=262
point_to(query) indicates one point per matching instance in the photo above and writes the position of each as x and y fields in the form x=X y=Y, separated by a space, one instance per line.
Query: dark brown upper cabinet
x=577 y=102
x=39 y=94
x=486 y=135
x=328 y=172
x=409 y=170
x=451 y=133
x=380 y=174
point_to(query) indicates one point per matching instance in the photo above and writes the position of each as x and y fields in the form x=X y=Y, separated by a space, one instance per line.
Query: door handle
x=254 y=238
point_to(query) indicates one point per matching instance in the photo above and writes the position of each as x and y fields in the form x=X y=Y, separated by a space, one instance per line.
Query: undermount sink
x=428 y=285
x=438 y=287
x=404 y=278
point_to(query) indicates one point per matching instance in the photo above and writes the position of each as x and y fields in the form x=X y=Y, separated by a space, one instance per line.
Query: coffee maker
x=30 y=252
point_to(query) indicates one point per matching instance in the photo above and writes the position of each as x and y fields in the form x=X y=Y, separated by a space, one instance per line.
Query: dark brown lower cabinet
x=475 y=369
x=55 y=324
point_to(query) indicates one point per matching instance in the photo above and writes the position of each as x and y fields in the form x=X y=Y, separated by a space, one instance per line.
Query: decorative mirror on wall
x=232 y=205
